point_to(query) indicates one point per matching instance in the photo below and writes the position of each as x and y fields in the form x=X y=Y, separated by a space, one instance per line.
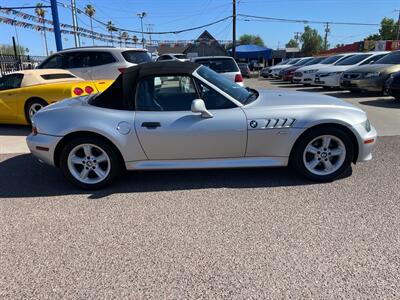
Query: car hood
x=334 y=69
x=280 y=67
x=312 y=67
x=372 y=68
x=281 y=98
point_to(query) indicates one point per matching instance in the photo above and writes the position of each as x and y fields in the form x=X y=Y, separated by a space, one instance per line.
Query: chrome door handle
x=151 y=125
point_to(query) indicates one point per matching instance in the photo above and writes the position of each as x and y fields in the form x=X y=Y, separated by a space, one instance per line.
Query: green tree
x=9 y=50
x=90 y=11
x=251 y=39
x=388 y=30
x=41 y=13
x=312 y=42
x=125 y=37
x=292 y=44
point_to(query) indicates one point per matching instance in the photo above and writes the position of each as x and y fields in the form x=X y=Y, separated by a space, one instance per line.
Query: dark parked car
x=392 y=86
x=244 y=69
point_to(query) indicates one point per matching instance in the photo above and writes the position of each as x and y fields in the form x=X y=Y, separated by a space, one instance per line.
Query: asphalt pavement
x=210 y=234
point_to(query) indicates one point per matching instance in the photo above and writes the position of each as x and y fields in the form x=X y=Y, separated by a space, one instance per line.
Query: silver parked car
x=174 y=115
x=96 y=63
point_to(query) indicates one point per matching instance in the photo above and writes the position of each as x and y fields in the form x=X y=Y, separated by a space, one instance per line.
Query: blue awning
x=252 y=51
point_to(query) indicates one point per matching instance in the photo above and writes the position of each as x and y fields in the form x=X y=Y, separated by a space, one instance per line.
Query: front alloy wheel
x=323 y=154
x=89 y=163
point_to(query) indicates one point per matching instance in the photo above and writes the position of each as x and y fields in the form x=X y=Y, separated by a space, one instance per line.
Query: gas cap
x=124 y=127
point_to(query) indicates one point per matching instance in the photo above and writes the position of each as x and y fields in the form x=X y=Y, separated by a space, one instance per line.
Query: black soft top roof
x=121 y=93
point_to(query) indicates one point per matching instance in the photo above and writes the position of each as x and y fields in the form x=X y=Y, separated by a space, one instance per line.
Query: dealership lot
x=220 y=233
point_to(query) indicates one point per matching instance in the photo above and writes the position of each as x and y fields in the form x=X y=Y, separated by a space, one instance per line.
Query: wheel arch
x=77 y=134
x=330 y=125
x=30 y=100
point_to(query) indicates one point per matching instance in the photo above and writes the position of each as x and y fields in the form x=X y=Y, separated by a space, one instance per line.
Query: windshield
x=136 y=57
x=390 y=59
x=219 y=65
x=234 y=90
x=314 y=61
x=352 y=60
x=293 y=61
x=302 y=62
x=330 y=60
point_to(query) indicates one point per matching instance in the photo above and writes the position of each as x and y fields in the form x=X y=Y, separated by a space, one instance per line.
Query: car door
x=9 y=87
x=103 y=65
x=168 y=129
x=78 y=63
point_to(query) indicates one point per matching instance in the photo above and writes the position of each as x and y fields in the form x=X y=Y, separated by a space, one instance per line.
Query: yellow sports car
x=23 y=93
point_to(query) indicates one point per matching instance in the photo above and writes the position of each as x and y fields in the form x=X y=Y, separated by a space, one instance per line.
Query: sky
x=170 y=15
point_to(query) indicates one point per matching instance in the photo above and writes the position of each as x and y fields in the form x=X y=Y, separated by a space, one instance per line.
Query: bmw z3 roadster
x=180 y=115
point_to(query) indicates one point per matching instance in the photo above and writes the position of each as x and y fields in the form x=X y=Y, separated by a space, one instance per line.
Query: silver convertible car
x=180 y=115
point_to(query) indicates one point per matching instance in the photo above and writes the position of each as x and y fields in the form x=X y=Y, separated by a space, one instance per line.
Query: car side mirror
x=198 y=106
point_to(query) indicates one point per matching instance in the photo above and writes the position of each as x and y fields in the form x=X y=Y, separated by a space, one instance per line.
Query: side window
x=165 y=93
x=100 y=58
x=373 y=59
x=75 y=60
x=10 y=82
x=213 y=99
x=53 y=62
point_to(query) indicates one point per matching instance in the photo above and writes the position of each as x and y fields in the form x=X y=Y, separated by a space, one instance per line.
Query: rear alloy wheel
x=32 y=107
x=323 y=154
x=89 y=163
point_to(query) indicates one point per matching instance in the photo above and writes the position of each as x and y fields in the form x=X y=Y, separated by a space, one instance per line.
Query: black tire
x=297 y=155
x=115 y=163
x=31 y=103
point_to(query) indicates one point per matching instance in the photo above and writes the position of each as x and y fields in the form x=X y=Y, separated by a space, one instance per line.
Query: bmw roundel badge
x=253 y=124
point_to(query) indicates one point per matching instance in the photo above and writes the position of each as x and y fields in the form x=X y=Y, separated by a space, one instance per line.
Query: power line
x=307 y=21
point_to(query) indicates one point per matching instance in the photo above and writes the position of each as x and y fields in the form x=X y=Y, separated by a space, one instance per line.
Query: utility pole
x=74 y=22
x=398 y=25
x=327 y=30
x=141 y=16
x=234 y=29
x=150 y=30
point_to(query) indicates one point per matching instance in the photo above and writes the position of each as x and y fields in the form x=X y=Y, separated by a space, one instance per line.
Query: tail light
x=34 y=130
x=89 y=89
x=238 y=78
x=121 y=70
x=78 y=91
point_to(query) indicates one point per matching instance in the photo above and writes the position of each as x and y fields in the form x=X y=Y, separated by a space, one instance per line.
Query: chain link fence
x=12 y=63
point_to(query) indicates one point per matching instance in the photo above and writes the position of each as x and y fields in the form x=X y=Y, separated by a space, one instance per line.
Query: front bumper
x=43 y=147
x=330 y=81
x=366 y=142
x=375 y=84
x=305 y=79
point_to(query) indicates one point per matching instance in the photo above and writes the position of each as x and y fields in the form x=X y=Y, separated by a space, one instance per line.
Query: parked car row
x=359 y=72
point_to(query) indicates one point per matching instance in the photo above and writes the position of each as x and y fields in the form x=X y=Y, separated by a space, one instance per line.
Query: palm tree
x=90 y=12
x=125 y=37
x=135 y=39
x=110 y=29
x=41 y=12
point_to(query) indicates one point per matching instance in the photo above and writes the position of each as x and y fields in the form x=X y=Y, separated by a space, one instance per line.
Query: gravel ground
x=238 y=234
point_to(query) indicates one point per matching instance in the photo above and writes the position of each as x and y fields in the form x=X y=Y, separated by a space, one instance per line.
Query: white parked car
x=274 y=71
x=224 y=65
x=96 y=63
x=306 y=75
x=330 y=76
x=173 y=56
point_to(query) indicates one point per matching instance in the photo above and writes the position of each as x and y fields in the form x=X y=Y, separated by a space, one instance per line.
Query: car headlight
x=311 y=71
x=367 y=125
x=372 y=74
